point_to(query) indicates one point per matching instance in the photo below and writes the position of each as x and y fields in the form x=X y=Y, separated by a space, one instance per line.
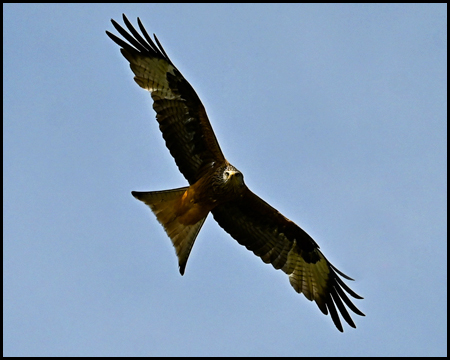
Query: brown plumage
x=218 y=187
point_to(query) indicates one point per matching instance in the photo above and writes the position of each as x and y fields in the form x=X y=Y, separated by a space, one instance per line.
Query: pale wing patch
x=307 y=278
x=310 y=278
x=151 y=74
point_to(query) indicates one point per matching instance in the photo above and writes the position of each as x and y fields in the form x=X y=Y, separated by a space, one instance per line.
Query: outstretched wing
x=179 y=111
x=280 y=242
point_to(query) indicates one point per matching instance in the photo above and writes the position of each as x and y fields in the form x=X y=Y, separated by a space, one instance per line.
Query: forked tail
x=164 y=205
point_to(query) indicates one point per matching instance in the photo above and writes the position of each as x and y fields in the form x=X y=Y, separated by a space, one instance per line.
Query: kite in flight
x=218 y=187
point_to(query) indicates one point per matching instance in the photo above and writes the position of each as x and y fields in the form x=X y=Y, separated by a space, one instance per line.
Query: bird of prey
x=218 y=187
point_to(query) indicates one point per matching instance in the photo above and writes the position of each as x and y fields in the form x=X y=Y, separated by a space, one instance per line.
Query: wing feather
x=181 y=115
x=280 y=242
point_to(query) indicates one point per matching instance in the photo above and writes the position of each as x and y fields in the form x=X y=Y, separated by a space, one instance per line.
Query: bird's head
x=229 y=181
x=231 y=175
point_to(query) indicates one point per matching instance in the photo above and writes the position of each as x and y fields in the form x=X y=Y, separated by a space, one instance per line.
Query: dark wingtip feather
x=136 y=42
x=342 y=309
x=334 y=315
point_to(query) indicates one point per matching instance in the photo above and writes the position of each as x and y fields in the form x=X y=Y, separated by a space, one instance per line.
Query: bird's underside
x=218 y=187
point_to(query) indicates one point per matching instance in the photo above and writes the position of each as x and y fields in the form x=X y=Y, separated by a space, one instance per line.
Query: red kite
x=218 y=187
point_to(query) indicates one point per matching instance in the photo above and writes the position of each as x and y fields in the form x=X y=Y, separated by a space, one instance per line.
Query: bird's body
x=218 y=187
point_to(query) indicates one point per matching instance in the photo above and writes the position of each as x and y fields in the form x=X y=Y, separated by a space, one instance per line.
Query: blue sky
x=336 y=115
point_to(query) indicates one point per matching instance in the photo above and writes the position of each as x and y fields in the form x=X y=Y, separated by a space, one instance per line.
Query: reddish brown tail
x=164 y=204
